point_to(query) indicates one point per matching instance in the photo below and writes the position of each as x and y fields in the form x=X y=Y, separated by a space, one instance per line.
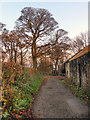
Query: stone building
x=78 y=69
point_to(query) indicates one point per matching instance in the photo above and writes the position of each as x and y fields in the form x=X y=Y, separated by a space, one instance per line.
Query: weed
x=78 y=91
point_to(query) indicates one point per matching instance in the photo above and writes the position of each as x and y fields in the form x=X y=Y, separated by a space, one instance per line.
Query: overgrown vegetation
x=77 y=91
x=18 y=88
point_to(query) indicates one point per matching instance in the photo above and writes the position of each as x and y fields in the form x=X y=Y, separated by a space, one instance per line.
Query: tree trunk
x=15 y=57
x=35 y=63
x=45 y=63
x=21 y=58
x=11 y=54
x=56 y=66
x=34 y=55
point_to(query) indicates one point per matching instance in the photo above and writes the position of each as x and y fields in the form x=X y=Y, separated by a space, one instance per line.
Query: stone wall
x=79 y=70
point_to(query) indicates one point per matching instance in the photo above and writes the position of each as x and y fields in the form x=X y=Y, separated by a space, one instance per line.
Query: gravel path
x=55 y=100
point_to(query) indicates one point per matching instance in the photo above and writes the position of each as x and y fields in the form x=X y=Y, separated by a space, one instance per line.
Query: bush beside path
x=19 y=87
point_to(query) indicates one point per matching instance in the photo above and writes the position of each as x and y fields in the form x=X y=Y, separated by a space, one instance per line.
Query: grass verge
x=77 y=91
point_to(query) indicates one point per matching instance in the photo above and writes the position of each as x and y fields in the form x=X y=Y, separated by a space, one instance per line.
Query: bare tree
x=24 y=45
x=6 y=43
x=15 y=44
x=39 y=23
x=60 y=46
x=2 y=26
x=80 y=42
x=2 y=52
x=84 y=38
x=56 y=48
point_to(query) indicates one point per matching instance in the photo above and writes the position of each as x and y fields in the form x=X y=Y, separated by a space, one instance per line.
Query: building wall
x=67 y=69
x=78 y=69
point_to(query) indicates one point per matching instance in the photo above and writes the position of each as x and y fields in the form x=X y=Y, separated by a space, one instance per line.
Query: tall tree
x=24 y=44
x=2 y=52
x=15 y=44
x=80 y=42
x=2 y=26
x=60 y=47
x=39 y=23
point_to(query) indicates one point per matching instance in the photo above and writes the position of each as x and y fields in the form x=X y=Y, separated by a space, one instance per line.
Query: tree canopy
x=39 y=23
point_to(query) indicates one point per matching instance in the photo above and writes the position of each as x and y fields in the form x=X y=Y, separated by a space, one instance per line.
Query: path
x=55 y=100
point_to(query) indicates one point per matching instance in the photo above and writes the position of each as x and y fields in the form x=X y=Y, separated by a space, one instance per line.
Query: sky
x=71 y=16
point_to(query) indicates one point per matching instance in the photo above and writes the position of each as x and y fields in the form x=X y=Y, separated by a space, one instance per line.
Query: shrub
x=17 y=89
x=10 y=73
